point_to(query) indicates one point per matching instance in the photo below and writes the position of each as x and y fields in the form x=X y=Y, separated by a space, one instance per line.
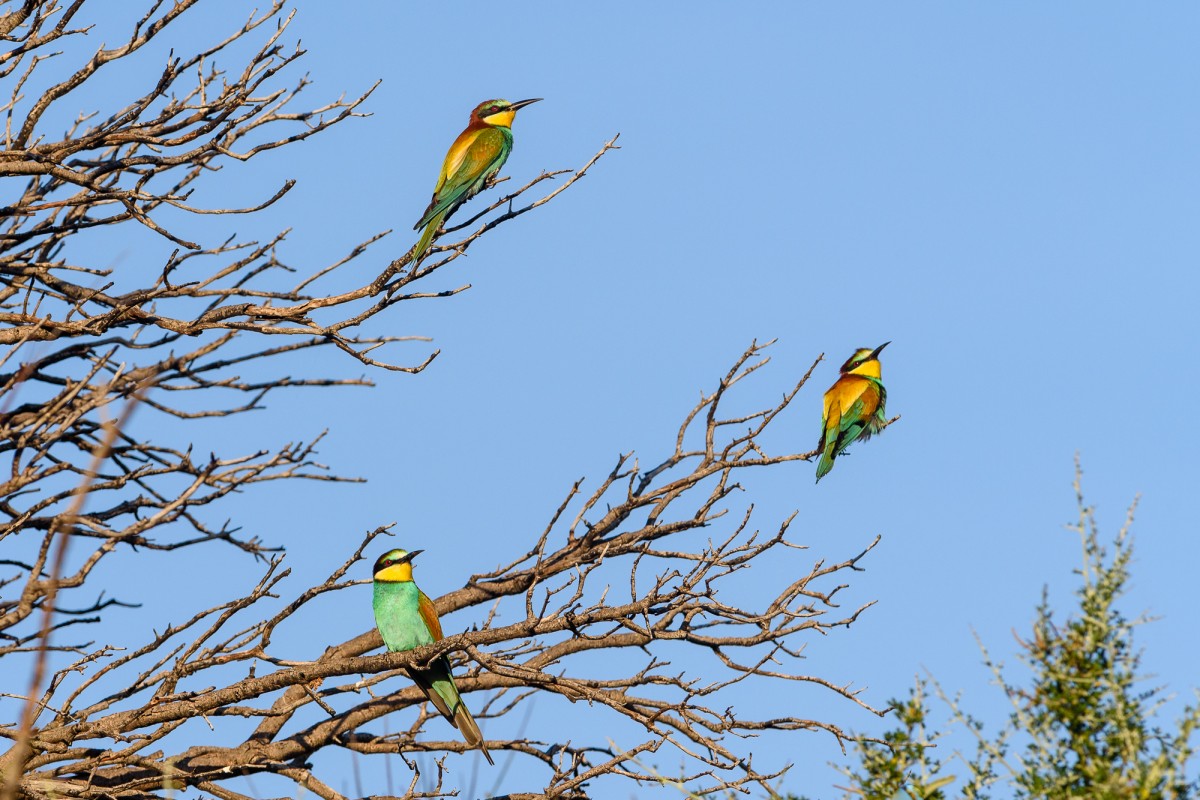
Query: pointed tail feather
x=426 y=238
x=827 y=456
x=829 y=433
x=829 y=441
x=470 y=730
x=438 y=686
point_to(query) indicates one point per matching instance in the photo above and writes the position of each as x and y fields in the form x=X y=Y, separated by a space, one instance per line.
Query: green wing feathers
x=854 y=411
x=872 y=414
x=829 y=438
x=475 y=156
x=438 y=683
x=469 y=164
x=428 y=679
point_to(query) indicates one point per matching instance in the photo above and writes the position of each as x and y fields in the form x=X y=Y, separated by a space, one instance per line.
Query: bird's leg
x=492 y=180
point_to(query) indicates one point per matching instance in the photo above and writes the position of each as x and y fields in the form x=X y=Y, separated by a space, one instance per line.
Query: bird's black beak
x=523 y=103
x=410 y=556
x=875 y=353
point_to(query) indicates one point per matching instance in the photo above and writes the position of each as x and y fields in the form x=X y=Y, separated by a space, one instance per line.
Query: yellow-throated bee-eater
x=407 y=619
x=474 y=159
x=853 y=407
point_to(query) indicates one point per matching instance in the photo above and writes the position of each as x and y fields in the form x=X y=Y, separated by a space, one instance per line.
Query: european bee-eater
x=474 y=159
x=406 y=619
x=853 y=407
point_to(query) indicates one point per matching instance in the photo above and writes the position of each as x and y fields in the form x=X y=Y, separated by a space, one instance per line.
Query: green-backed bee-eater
x=853 y=407
x=407 y=619
x=475 y=157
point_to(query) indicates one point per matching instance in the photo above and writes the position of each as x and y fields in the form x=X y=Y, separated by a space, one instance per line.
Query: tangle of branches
x=642 y=564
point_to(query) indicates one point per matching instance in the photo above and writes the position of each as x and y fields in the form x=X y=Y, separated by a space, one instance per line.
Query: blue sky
x=1006 y=192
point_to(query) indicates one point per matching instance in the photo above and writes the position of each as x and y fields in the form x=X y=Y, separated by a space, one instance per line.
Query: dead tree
x=636 y=563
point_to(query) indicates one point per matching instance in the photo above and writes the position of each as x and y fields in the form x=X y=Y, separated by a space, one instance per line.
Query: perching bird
x=853 y=407
x=475 y=157
x=406 y=619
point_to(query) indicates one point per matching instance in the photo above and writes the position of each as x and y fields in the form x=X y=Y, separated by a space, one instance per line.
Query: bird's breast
x=398 y=616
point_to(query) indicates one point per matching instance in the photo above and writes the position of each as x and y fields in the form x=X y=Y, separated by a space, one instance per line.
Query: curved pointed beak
x=408 y=558
x=523 y=103
x=875 y=353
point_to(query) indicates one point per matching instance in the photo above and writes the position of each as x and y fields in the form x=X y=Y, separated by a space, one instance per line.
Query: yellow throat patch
x=870 y=369
x=501 y=119
x=396 y=573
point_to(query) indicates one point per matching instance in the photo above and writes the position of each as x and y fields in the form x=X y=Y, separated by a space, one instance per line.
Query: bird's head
x=395 y=566
x=865 y=361
x=499 y=113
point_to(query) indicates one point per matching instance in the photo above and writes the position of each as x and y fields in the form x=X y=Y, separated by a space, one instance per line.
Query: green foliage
x=902 y=763
x=1082 y=724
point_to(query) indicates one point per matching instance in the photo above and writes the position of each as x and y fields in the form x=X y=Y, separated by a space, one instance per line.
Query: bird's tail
x=426 y=238
x=827 y=455
x=470 y=730
x=439 y=687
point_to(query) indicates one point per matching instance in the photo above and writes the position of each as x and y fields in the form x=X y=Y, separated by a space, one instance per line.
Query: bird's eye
x=494 y=109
